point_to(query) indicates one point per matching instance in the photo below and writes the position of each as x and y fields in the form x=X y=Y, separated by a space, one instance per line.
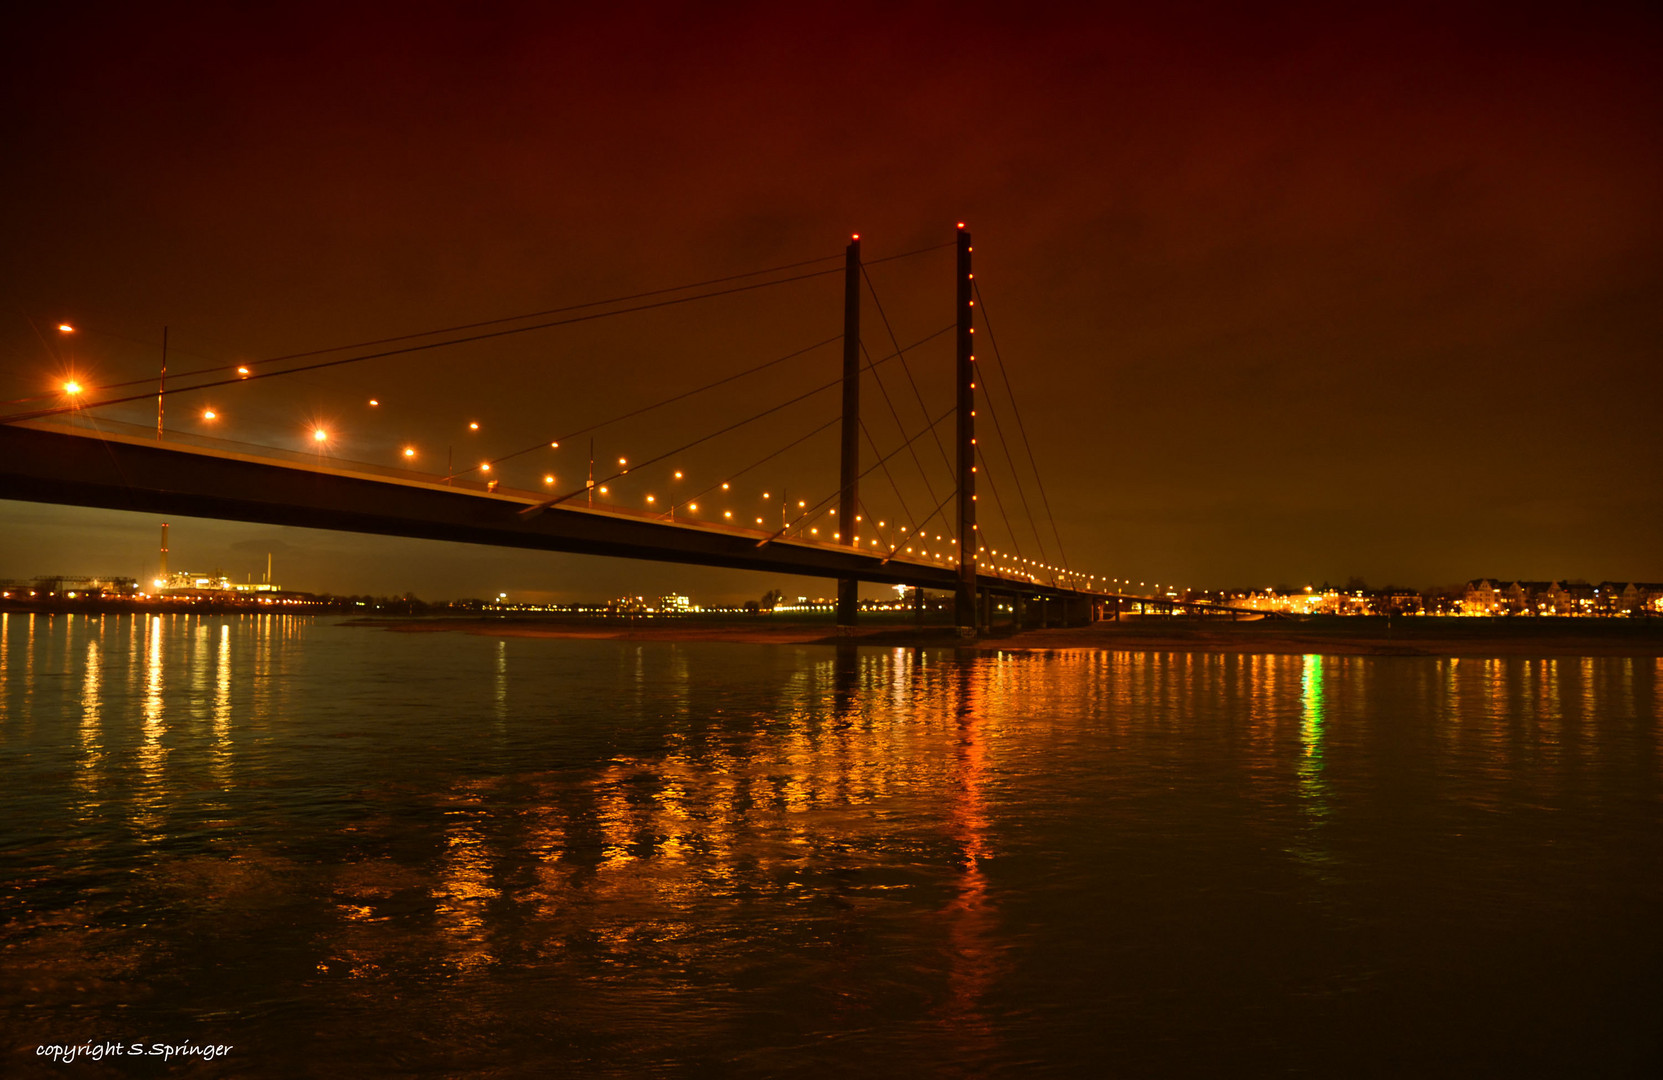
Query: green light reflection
x=1312 y=783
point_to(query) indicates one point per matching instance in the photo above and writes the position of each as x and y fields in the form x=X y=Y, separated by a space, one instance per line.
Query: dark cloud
x=1285 y=294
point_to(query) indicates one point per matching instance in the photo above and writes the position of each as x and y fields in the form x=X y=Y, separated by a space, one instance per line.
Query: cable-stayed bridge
x=733 y=475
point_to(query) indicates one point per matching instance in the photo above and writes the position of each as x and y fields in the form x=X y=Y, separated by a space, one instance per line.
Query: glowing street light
x=72 y=388
x=65 y=328
x=209 y=414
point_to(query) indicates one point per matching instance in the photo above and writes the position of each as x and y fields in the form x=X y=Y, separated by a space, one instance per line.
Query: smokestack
x=268 y=568
x=163 y=574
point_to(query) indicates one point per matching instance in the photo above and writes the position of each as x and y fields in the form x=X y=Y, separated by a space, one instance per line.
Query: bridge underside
x=122 y=473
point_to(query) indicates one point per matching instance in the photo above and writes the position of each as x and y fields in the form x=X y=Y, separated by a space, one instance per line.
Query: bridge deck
x=39 y=463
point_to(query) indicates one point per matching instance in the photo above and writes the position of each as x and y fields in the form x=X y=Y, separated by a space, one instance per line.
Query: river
x=343 y=851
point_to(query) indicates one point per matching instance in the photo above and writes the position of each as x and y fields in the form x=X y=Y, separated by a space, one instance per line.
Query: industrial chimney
x=162 y=577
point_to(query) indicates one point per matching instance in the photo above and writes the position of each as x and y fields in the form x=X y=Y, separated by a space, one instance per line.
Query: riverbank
x=1331 y=636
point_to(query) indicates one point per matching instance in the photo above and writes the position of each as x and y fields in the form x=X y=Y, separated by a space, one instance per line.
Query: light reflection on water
x=346 y=850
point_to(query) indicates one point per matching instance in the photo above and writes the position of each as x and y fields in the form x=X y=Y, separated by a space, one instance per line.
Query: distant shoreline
x=1351 y=636
x=1319 y=635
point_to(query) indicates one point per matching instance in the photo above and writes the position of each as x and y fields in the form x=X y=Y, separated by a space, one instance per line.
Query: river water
x=347 y=852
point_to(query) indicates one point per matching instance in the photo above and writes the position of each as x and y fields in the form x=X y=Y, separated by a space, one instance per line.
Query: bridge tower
x=848 y=501
x=964 y=606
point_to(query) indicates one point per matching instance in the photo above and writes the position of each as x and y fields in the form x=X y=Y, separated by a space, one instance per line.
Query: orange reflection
x=465 y=887
x=151 y=755
x=90 y=732
x=221 y=752
x=974 y=961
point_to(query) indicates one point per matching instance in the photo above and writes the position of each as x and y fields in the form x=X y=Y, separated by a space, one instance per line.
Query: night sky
x=1285 y=297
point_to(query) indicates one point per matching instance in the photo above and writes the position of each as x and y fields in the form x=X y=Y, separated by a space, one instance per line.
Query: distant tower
x=268 y=568
x=163 y=575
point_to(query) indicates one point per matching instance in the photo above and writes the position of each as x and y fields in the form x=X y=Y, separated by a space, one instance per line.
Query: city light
x=65 y=328
x=72 y=387
x=409 y=451
x=320 y=435
x=209 y=414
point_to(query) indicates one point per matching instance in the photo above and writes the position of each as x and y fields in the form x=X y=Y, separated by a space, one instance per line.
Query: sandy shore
x=1332 y=637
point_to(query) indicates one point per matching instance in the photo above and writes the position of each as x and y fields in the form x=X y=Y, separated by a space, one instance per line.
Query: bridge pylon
x=848 y=500
x=964 y=606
